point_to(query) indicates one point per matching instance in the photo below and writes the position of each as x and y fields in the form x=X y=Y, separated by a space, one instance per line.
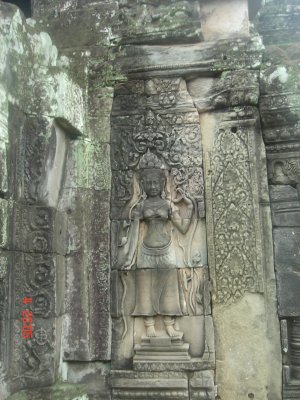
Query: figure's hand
x=126 y=266
x=186 y=200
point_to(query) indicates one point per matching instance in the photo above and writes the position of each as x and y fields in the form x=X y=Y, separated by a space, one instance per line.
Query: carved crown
x=150 y=161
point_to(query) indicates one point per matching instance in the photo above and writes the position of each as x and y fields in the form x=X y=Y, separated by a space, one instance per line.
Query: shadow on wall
x=24 y=5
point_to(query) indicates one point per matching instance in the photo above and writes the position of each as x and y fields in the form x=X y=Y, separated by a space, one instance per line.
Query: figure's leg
x=150 y=326
x=169 y=324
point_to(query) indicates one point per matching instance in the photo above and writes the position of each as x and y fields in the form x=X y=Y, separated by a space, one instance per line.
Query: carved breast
x=161 y=212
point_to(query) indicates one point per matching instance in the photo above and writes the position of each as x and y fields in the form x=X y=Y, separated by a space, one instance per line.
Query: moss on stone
x=60 y=391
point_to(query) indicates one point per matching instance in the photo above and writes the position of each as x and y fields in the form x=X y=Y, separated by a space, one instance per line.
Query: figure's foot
x=150 y=331
x=172 y=332
x=150 y=327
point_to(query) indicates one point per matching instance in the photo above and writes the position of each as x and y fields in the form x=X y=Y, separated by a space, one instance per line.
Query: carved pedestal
x=161 y=349
x=144 y=385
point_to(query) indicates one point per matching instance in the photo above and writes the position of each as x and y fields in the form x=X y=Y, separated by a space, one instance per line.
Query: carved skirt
x=160 y=257
x=157 y=283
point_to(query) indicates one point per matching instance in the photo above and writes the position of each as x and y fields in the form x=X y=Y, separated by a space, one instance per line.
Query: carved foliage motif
x=148 y=20
x=284 y=167
x=34 y=274
x=34 y=156
x=235 y=88
x=33 y=358
x=38 y=229
x=283 y=133
x=235 y=243
x=174 y=138
x=37 y=355
x=178 y=145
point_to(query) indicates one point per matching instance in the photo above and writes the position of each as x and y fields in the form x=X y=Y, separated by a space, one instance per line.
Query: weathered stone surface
x=160 y=95
x=3 y=168
x=88 y=166
x=177 y=141
x=4 y=318
x=278 y=77
x=221 y=20
x=228 y=173
x=28 y=153
x=145 y=385
x=286 y=242
x=156 y=22
x=40 y=277
x=282 y=133
x=197 y=331
x=37 y=81
x=232 y=190
x=283 y=163
x=285 y=206
x=39 y=229
x=88 y=223
x=66 y=391
x=93 y=374
x=38 y=367
x=291 y=391
x=202 y=385
x=5 y=214
x=31 y=65
x=280 y=109
x=87 y=307
x=122 y=343
x=279 y=22
x=233 y=88
x=35 y=88
x=279 y=106
x=77 y=26
x=250 y=305
x=145 y=61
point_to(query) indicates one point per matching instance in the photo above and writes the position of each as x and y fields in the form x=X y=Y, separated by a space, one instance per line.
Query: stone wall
x=279 y=108
x=42 y=113
x=192 y=86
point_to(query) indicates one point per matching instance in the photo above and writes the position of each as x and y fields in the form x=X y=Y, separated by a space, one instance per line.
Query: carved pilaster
x=240 y=259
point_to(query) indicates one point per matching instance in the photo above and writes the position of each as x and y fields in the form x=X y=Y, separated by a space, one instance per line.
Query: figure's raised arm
x=182 y=223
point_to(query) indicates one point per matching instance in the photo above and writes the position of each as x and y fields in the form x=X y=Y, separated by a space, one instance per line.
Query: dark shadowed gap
x=254 y=6
x=24 y=5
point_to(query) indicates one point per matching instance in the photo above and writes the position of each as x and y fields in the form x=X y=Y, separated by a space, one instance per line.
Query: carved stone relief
x=160 y=284
x=37 y=245
x=151 y=21
x=235 y=219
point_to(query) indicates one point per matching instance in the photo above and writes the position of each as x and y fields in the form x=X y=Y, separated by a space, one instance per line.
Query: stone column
x=240 y=256
x=85 y=199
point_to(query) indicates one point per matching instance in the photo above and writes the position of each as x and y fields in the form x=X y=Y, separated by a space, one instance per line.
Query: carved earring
x=144 y=195
x=163 y=194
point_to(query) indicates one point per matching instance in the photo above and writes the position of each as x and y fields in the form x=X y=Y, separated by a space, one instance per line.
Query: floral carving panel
x=234 y=217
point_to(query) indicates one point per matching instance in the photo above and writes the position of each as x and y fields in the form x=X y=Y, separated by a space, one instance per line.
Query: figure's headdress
x=150 y=161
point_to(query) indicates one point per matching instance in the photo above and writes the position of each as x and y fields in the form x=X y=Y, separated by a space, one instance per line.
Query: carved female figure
x=152 y=219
